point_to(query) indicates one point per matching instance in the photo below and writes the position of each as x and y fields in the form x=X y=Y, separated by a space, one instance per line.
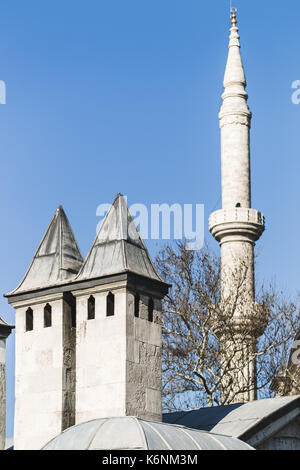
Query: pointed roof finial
x=233 y=12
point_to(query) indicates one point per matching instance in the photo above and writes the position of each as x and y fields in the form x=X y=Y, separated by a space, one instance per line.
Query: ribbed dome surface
x=129 y=433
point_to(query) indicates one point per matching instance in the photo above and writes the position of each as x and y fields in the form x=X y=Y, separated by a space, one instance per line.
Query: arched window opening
x=238 y=204
x=110 y=305
x=137 y=305
x=150 y=309
x=29 y=319
x=47 y=316
x=91 y=308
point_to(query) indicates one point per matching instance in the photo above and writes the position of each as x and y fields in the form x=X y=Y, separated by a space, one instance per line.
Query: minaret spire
x=234 y=73
x=235 y=112
x=237 y=227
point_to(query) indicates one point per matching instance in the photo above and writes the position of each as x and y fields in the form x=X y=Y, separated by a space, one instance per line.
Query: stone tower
x=45 y=338
x=5 y=331
x=118 y=364
x=88 y=334
x=237 y=227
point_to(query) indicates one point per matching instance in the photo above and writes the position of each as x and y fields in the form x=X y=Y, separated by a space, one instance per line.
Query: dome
x=130 y=433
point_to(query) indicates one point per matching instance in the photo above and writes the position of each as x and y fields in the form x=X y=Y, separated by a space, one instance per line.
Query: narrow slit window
x=150 y=309
x=137 y=305
x=91 y=308
x=110 y=305
x=47 y=316
x=29 y=319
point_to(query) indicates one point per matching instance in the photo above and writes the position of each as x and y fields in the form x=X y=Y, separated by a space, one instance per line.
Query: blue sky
x=106 y=96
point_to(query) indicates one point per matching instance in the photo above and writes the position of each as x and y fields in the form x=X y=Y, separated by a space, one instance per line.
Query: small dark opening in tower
x=110 y=305
x=238 y=204
x=150 y=309
x=137 y=305
x=29 y=319
x=47 y=316
x=91 y=308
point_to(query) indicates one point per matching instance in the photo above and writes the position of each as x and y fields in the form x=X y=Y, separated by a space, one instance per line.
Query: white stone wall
x=118 y=358
x=100 y=357
x=2 y=394
x=39 y=375
x=143 y=374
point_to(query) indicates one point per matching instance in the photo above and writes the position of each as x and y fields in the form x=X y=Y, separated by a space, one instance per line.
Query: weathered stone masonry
x=5 y=331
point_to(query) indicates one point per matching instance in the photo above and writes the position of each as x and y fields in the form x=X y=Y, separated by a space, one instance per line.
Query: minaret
x=237 y=227
x=5 y=331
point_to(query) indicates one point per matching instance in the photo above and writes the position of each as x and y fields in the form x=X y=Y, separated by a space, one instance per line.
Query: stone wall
x=143 y=365
x=118 y=358
x=42 y=360
x=100 y=356
x=80 y=369
x=2 y=394
x=288 y=438
x=69 y=361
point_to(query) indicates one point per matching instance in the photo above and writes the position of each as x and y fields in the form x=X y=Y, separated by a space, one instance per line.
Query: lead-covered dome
x=130 y=433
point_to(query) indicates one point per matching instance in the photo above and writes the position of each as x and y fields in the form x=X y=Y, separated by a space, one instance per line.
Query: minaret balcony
x=237 y=224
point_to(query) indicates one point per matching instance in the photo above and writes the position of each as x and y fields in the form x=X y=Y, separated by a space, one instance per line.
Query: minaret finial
x=233 y=16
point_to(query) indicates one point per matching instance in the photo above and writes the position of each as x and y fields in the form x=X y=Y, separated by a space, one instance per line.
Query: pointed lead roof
x=118 y=247
x=57 y=258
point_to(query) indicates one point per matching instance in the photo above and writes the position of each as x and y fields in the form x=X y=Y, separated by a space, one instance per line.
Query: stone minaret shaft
x=237 y=227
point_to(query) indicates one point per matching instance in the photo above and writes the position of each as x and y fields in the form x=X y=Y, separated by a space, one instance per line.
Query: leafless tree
x=208 y=348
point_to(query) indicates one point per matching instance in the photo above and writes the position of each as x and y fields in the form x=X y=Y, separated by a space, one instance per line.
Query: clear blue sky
x=111 y=95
